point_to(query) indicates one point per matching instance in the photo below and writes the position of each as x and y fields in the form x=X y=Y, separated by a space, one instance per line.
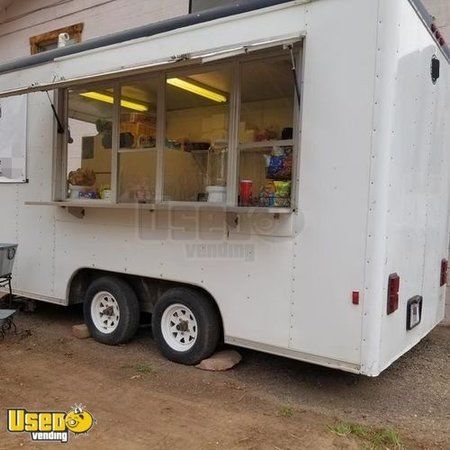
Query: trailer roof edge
x=142 y=32
x=181 y=22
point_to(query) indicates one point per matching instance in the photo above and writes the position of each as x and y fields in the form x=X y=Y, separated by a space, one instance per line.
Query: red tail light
x=392 y=295
x=444 y=272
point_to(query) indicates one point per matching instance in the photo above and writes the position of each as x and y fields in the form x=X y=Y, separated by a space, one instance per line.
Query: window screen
x=13 y=139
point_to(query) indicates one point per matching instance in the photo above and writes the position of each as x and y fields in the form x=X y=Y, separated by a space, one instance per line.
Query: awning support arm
x=61 y=129
x=294 y=73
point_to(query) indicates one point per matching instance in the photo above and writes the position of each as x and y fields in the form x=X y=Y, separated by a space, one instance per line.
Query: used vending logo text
x=45 y=426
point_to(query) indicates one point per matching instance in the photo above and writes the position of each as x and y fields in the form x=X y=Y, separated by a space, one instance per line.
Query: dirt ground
x=141 y=400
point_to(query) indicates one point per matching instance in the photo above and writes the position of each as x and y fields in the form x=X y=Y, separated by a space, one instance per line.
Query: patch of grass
x=386 y=438
x=126 y=366
x=346 y=429
x=286 y=411
x=375 y=439
x=144 y=368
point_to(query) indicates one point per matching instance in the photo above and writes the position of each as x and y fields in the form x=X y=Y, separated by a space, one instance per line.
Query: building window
x=49 y=41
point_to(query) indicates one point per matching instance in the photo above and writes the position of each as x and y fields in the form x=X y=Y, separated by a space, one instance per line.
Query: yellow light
x=195 y=89
x=133 y=105
x=110 y=99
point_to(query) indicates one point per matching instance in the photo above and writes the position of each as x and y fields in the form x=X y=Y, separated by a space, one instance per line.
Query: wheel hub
x=183 y=326
x=105 y=312
x=179 y=327
x=109 y=311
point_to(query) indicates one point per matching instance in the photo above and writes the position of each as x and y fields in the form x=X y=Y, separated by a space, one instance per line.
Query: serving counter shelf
x=167 y=206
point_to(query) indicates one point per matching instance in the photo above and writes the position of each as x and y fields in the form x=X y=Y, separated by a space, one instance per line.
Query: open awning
x=186 y=59
x=176 y=41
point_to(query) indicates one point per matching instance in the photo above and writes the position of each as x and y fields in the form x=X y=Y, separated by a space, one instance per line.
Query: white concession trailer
x=274 y=174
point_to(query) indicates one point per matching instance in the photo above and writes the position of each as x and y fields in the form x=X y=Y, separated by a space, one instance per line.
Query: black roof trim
x=177 y=23
x=140 y=32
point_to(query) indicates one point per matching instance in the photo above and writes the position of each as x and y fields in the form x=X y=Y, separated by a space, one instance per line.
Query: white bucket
x=216 y=194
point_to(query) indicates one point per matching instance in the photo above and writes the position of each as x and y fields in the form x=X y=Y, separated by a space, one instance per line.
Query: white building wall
x=23 y=19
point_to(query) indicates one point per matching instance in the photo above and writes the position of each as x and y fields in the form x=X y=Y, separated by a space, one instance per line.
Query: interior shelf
x=263 y=145
x=136 y=150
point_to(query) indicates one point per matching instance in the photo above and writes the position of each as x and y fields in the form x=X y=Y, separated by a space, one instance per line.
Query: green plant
x=386 y=438
x=375 y=439
x=144 y=368
x=286 y=411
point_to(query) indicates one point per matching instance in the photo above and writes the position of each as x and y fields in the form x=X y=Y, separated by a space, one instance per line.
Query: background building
x=440 y=9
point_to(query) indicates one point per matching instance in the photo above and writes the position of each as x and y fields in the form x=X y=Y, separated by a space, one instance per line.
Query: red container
x=245 y=192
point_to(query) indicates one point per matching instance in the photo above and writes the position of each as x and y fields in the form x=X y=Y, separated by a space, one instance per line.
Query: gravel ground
x=140 y=400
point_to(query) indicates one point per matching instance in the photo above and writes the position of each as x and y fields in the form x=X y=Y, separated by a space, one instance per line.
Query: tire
x=186 y=326
x=111 y=299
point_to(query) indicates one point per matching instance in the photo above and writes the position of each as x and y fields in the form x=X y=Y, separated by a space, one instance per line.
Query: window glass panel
x=197 y=121
x=13 y=139
x=266 y=132
x=267 y=96
x=137 y=153
x=45 y=47
x=89 y=149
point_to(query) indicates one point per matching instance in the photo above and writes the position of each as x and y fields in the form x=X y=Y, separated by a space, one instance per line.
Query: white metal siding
x=334 y=173
x=295 y=296
x=411 y=190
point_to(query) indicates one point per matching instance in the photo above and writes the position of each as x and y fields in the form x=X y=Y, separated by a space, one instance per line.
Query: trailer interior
x=220 y=133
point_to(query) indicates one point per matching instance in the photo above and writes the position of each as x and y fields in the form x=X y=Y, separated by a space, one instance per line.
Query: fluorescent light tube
x=196 y=89
x=110 y=99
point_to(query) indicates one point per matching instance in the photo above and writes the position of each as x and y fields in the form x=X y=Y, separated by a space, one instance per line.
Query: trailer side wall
x=408 y=214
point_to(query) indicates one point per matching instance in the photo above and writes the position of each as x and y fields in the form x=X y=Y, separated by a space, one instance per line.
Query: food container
x=7 y=255
x=217 y=164
x=77 y=192
x=106 y=194
x=245 y=192
x=216 y=194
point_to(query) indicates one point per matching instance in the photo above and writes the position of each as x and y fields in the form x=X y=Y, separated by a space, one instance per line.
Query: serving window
x=137 y=141
x=197 y=134
x=219 y=133
x=89 y=146
x=266 y=127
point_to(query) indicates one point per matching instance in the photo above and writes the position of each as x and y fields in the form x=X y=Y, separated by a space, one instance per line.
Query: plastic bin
x=7 y=255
